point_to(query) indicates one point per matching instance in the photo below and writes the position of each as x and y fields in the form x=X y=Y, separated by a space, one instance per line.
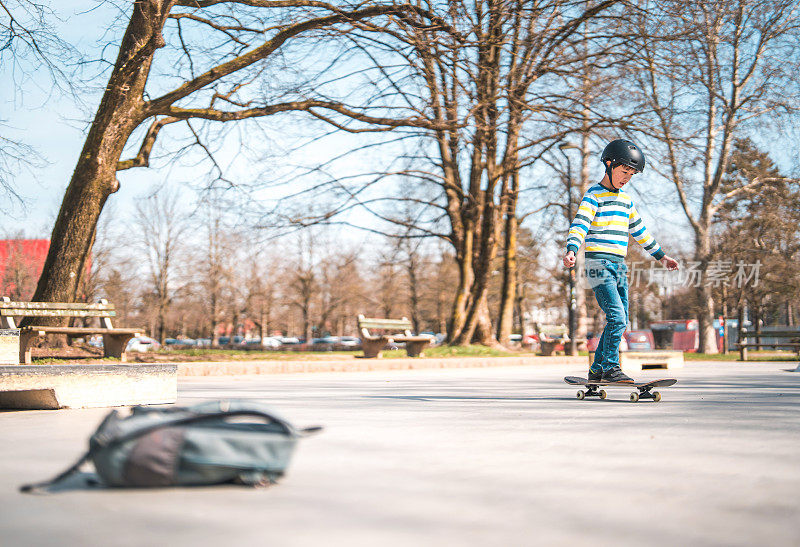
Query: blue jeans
x=609 y=282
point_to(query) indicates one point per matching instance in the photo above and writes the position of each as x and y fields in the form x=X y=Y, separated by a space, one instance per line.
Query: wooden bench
x=393 y=330
x=792 y=336
x=551 y=336
x=115 y=340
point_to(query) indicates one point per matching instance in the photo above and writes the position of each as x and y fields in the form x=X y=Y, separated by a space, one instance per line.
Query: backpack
x=217 y=442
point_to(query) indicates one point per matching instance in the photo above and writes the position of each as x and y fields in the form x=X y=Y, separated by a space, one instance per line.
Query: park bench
x=392 y=330
x=792 y=336
x=115 y=340
x=552 y=336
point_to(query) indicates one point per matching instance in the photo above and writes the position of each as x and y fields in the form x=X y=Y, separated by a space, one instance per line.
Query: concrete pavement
x=454 y=457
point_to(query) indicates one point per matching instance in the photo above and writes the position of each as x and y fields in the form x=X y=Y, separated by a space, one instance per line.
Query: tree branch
x=142 y=159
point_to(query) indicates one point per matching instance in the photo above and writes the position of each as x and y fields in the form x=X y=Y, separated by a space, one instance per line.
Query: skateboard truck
x=592 y=391
x=645 y=393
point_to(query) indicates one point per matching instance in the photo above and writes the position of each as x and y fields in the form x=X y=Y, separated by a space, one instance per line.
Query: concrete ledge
x=363 y=365
x=87 y=386
x=636 y=361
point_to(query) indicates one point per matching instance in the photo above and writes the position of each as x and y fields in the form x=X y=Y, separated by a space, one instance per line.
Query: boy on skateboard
x=604 y=219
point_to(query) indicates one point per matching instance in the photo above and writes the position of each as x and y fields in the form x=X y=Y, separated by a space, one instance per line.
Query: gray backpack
x=210 y=443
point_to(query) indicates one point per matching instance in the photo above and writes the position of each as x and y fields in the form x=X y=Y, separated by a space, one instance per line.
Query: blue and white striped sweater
x=604 y=220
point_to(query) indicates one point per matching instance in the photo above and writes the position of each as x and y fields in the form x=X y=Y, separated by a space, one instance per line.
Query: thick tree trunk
x=482 y=272
x=162 y=320
x=94 y=178
x=705 y=297
x=708 y=335
x=483 y=327
x=509 y=290
x=458 y=315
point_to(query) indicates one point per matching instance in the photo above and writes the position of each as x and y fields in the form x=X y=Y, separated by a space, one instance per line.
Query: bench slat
x=82 y=330
x=54 y=306
x=20 y=312
x=370 y=323
x=412 y=338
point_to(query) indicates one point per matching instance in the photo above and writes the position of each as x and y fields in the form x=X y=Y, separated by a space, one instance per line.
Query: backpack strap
x=38 y=487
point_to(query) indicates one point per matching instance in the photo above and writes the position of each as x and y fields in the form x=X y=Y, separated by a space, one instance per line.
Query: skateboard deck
x=644 y=389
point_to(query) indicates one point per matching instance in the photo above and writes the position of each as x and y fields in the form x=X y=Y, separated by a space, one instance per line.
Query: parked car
x=289 y=340
x=227 y=340
x=142 y=344
x=270 y=342
x=349 y=341
x=179 y=342
x=324 y=344
x=592 y=342
x=640 y=340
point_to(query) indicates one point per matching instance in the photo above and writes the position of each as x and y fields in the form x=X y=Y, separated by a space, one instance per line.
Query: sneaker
x=615 y=375
x=595 y=376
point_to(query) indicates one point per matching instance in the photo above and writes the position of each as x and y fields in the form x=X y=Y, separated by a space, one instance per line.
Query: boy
x=605 y=217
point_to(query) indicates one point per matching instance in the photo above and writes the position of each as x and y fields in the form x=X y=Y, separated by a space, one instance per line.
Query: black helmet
x=623 y=152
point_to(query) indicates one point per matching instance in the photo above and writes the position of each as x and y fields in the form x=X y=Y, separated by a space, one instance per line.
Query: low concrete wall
x=362 y=365
x=87 y=386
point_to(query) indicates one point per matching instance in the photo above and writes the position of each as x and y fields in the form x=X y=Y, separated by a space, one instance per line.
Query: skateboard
x=644 y=388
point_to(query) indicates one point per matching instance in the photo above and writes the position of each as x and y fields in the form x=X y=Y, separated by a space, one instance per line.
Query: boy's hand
x=669 y=263
x=569 y=259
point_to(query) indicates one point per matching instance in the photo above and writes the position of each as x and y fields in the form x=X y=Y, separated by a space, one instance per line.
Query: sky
x=55 y=126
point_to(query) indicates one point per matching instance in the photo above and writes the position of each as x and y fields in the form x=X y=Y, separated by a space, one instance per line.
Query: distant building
x=21 y=263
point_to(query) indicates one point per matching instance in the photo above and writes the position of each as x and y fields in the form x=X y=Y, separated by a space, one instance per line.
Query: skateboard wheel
x=656 y=396
x=603 y=394
x=581 y=394
x=634 y=397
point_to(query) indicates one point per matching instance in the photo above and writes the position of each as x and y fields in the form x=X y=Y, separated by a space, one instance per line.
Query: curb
x=364 y=365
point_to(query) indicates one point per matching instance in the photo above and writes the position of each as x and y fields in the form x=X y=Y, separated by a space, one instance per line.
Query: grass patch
x=72 y=360
x=734 y=356
x=244 y=355
x=209 y=354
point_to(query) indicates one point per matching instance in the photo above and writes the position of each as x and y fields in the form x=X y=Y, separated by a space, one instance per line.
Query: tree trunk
x=483 y=327
x=94 y=178
x=705 y=297
x=458 y=315
x=509 y=291
x=476 y=314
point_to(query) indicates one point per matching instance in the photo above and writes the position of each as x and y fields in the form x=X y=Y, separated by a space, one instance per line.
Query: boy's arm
x=639 y=232
x=580 y=224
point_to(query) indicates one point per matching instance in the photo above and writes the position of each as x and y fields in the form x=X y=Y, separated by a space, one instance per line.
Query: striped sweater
x=604 y=220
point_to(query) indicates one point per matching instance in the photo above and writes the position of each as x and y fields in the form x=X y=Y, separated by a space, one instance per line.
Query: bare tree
x=759 y=239
x=708 y=72
x=302 y=280
x=489 y=91
x=244 y=36
x=162 y=226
